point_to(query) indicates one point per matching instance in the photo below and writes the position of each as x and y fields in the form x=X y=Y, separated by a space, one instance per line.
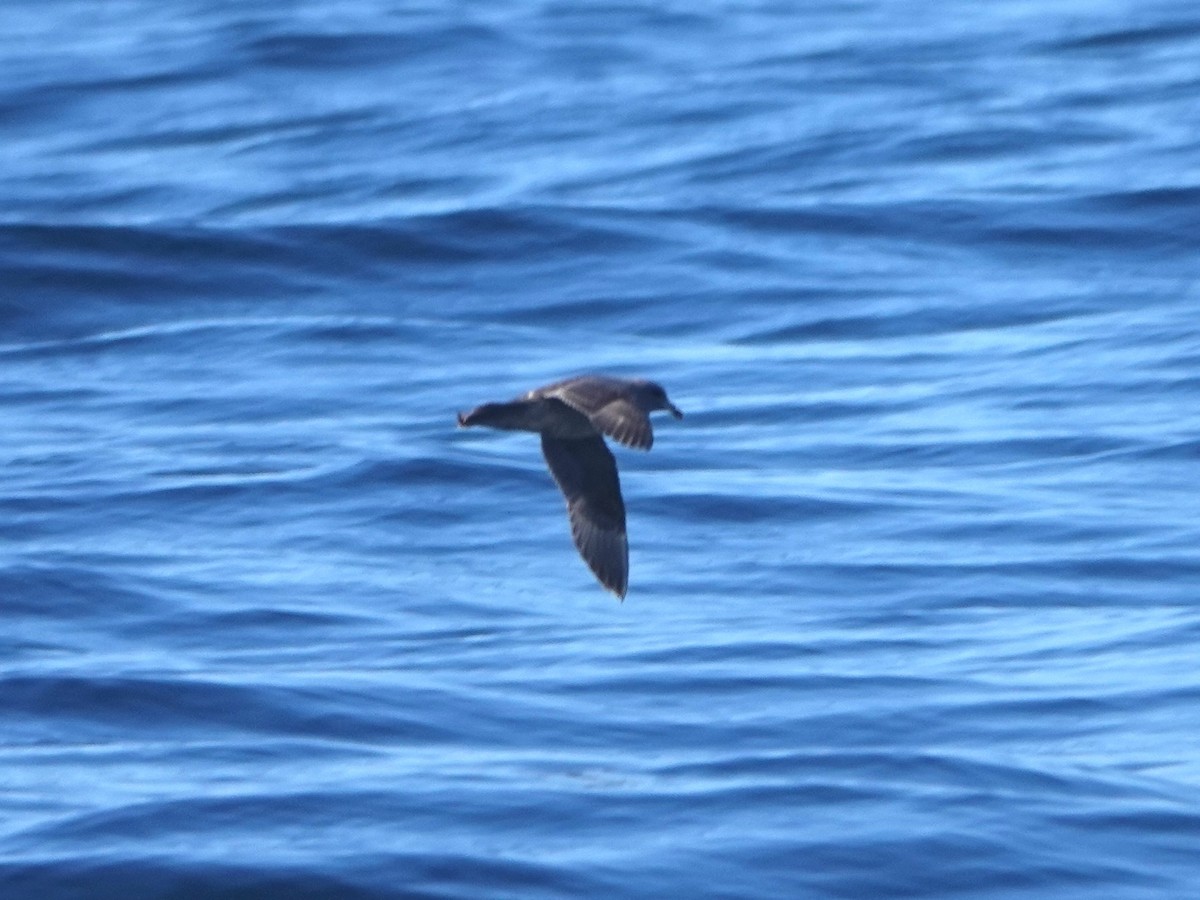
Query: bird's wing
x=608 y=406
x=586 y=473
x=624 y=422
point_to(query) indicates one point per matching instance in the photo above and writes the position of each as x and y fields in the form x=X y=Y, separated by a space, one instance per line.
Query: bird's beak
x=675 y=410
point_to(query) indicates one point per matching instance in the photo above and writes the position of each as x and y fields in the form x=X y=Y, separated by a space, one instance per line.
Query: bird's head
x=651 y=396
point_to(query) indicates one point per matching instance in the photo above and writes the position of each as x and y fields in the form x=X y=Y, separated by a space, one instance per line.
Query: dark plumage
x=572 y=416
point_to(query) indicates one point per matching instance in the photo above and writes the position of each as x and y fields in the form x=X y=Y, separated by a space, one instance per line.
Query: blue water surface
x=914 y=605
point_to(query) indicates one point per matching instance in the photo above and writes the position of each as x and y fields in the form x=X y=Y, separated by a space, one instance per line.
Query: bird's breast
x=555 y=419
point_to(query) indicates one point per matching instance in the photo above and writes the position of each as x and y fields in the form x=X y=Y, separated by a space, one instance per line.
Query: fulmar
x=572 y=416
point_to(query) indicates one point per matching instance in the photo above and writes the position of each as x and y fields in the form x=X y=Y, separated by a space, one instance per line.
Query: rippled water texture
x=913 y=594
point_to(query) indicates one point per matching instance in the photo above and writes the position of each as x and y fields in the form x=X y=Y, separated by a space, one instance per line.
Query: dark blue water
x=915 y=596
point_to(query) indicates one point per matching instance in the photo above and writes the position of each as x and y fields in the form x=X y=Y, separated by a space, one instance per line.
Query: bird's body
x=572 y=416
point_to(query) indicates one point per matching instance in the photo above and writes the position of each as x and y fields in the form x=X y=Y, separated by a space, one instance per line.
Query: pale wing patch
x=624 y=422
x=608 y=410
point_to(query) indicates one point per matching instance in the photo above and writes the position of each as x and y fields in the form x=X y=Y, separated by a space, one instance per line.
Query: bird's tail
x=511 y=416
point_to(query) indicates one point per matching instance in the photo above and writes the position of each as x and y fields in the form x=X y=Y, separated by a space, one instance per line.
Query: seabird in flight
x=572 y=416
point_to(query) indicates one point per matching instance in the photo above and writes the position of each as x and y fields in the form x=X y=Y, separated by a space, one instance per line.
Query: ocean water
x=914 y=605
